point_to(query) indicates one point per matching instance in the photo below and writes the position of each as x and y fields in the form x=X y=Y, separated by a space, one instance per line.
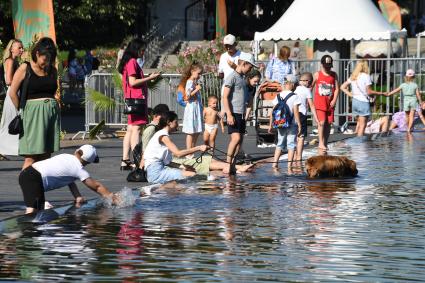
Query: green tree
x=85 y=24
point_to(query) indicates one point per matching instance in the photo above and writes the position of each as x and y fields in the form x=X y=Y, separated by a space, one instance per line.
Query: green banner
x=33 y=19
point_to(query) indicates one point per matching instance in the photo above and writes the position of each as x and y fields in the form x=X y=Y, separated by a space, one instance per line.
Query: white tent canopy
x=329 y=20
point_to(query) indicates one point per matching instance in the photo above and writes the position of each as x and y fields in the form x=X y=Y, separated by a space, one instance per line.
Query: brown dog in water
x=327 y=166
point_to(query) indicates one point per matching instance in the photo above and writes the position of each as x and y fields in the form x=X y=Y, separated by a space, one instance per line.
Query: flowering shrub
x=208 y=56
x=107 y=58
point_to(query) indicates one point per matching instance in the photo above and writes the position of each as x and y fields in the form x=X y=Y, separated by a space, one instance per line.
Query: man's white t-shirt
x=303 y=94
x=223 y=66
x=291 y=102
x=60 y=170
x=156 y=151
x=359 y=87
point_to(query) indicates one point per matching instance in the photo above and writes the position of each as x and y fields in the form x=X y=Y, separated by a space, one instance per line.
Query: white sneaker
x=332 y=131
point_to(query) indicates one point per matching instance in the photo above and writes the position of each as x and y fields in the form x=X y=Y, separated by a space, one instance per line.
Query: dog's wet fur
x=328 y=166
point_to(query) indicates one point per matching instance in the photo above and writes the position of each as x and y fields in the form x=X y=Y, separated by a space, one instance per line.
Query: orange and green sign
x=220 y=19
x=33 y=18
x=391 y=11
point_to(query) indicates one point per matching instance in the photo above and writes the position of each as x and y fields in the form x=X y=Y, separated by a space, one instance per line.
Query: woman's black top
x=41 y=86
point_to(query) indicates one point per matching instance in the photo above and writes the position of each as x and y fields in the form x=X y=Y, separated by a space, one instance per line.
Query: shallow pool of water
x=263 y=227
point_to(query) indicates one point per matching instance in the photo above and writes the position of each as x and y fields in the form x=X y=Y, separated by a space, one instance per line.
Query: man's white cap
x=229 y=39
x=248 y=57
x=89 y=153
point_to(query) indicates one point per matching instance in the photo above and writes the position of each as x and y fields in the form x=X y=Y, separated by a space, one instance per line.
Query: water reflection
x=269 y=226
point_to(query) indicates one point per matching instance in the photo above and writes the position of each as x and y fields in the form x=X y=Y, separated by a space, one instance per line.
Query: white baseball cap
x=248 y=57
x=89 y=153
x=229 y=39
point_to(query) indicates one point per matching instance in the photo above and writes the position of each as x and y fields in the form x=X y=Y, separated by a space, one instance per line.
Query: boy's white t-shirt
x=60 y=170
x=303 y=94
x=359 y=87
x=292 y=101
x=223 y=66
x=156 y=151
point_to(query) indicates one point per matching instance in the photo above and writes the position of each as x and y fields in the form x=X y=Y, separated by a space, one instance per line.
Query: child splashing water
x=411 y=97
x=192 y=119
x=211 y=118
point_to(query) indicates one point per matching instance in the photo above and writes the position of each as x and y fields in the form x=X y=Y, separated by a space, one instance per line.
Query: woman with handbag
x=362 y=94
x=37 y=79
x=135 y=90
x=12 y=54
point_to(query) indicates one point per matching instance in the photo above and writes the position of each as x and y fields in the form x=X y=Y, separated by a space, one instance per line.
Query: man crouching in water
x=59 y=171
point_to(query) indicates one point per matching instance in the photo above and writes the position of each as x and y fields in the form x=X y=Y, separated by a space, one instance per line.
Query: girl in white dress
x=12 y=54
x=192 y=119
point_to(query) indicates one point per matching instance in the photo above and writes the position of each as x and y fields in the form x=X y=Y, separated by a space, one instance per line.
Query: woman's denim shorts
x=361 y=108
x=157 y=173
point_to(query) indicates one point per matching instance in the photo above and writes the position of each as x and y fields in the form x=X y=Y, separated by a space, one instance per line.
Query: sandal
x=128 y=165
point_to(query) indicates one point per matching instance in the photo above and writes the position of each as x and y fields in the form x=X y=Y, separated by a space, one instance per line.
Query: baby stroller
x=263 y=109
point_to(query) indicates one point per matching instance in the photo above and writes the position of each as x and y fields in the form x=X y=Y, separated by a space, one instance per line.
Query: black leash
x=256 y=162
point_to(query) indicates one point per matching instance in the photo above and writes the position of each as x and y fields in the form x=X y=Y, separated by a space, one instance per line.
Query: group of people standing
x=157 y=160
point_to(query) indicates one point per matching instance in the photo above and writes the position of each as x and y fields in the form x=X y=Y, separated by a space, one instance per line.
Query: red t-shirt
x=133 y=69
x=325 y=89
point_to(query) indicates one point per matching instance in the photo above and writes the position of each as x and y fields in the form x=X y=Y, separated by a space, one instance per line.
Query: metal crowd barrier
x=163 y=92
x=386 y=74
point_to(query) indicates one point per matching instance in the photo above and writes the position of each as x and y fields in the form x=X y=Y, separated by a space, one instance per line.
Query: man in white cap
x=229 y=59
x=59 y=171
x=228 y=62
x=235 y=101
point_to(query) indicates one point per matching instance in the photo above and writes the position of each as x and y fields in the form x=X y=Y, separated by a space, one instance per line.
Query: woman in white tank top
x=160 y=151
x=9 y=143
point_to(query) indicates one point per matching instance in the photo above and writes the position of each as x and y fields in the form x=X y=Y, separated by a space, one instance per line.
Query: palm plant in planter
x=104 y=103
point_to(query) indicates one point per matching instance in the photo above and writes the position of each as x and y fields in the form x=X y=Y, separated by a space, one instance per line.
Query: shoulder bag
x=16 y=126
x=370 y=98
x=134 y=105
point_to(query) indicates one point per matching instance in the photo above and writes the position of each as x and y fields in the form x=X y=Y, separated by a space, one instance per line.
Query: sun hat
x=327 y=61
x=89 y=153
x=229 y=39
x=290 y=79
x=248 y=57
x=410 y=73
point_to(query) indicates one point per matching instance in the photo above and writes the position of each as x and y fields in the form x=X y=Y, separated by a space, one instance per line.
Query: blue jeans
x=158 y=173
